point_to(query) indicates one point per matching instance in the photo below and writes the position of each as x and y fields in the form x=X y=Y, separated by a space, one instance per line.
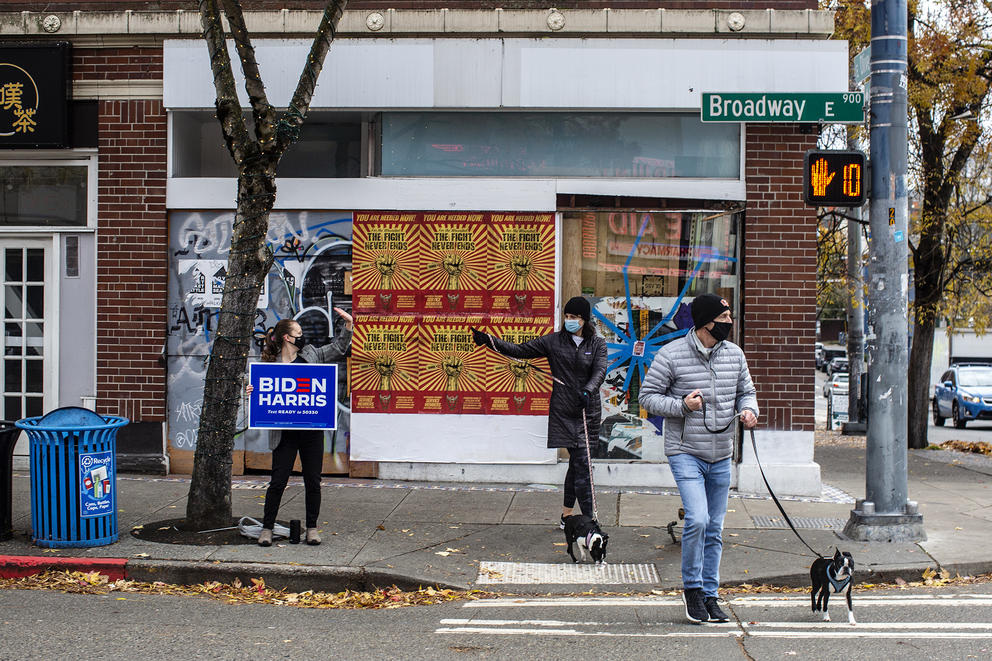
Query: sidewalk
x=383 y=533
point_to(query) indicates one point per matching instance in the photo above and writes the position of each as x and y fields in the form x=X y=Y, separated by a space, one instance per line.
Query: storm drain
x=812 y=522
x=532 y=573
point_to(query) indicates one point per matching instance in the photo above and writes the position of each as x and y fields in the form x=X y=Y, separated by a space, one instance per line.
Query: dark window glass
x=330 y=146
x=558 y=144
x=43 y=195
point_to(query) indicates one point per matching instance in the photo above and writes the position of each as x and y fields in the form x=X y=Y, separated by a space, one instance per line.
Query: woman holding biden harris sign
x=286 y=344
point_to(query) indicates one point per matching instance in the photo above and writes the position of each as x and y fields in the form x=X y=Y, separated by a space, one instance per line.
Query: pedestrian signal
x=834 y=178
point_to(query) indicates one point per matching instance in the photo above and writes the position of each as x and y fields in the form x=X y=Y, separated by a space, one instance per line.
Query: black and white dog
x=832 y=575
x=583 y=536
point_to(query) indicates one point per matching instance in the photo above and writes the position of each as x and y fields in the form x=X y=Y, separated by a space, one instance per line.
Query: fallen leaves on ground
x=234 y=593
x=974 y=447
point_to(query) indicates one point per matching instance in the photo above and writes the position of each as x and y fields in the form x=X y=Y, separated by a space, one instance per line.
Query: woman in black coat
x=577 y=356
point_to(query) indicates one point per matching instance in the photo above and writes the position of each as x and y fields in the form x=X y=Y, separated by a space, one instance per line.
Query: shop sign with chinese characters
x=35 y=90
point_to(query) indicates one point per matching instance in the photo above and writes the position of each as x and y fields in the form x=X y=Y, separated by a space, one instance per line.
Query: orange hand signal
x=819 y=178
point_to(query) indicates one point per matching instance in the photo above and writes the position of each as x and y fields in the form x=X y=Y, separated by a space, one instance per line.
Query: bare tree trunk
x=209 y=502
x=920 y=355
x=257 y=159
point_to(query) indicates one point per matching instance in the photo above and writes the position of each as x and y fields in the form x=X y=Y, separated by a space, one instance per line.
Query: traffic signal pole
x=886 y=513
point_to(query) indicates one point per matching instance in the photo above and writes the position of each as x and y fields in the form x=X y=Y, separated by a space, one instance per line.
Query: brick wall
x=132 y=239
x=780 y=276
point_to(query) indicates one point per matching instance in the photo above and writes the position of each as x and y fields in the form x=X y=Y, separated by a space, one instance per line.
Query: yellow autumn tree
x=949 y=80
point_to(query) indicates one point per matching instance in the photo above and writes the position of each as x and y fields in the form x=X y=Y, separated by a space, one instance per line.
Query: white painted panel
x=464 y=194
x=356 y=74
x=467 y=74
x=472 y=439
x=668 y=73
x=521 y=73
x=692 y=189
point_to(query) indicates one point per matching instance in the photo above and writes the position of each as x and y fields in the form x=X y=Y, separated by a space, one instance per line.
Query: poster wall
x=422 y=282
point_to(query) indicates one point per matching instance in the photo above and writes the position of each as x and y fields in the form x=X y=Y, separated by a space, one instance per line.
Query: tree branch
x=289 y=125
x=228 y=107
x=262 y=110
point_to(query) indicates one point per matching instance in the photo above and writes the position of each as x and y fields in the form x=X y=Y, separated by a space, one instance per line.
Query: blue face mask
x=572 y=325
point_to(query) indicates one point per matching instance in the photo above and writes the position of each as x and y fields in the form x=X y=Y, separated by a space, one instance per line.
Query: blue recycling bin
x=73 y=477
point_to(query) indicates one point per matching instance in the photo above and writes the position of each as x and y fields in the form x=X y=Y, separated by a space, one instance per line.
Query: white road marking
x=817 y=629
x=573 y=632
x=552 y=623
x=574 y=601
x=867 y=625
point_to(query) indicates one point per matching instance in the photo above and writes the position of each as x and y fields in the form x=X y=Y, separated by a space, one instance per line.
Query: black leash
x=754 y=446
x=585 y=424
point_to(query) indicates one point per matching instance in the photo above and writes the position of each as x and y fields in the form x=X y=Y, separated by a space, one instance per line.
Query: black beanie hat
x=706 y=308
x=579 y=306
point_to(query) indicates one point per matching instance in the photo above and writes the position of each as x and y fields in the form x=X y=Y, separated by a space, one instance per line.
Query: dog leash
x=754 y=446
x=585 y=424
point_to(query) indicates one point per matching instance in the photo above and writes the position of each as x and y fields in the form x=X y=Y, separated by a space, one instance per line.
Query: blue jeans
x=704 y=488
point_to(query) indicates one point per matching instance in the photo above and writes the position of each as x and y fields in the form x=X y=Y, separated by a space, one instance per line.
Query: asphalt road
x=946 y=623
x=974 y=431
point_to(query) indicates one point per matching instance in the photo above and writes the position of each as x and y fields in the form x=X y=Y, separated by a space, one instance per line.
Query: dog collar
x=838 y=585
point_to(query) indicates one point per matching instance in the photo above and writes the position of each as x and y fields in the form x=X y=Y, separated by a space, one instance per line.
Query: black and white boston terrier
x=584 y=536
x=832 y=575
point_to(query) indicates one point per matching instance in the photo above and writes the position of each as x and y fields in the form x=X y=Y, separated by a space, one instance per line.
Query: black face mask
x=300 y=342
x=721 y=330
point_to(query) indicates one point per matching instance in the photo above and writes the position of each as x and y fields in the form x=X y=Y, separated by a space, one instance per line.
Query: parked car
x=964 y=393
x=838 y=383
x=836 y=365
x=827 y=354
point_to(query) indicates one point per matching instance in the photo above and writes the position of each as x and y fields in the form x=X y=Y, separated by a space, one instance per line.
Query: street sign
x=834 y=178
x=862 y=64
x=830 y=107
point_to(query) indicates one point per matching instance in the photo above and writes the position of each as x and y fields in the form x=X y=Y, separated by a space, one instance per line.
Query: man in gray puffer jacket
x=700 y=383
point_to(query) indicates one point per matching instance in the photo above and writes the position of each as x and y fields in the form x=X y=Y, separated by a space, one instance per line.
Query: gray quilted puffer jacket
x=724 y=382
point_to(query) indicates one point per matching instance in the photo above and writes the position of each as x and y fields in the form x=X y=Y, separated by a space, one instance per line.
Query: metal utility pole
x=855 y=321
x=886 y=514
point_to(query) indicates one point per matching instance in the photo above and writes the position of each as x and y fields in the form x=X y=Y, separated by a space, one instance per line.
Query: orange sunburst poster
x=385 y=254
x=452 y=367
x=385 y=364
x=454 y=257
x=522 y=263
x=517 y=387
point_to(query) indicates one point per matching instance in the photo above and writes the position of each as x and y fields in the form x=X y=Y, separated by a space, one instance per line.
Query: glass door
x=28 y=366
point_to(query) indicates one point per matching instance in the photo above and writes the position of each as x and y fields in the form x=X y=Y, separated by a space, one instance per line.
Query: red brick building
x=628 y=164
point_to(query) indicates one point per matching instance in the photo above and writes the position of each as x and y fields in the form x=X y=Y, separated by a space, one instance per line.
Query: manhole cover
x=811 y=522
x=532 y=573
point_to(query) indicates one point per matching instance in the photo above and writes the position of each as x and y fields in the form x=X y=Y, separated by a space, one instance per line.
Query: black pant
x=310 y=445
x=577 y=481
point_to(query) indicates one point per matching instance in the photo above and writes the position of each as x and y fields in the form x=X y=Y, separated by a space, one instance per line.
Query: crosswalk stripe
x=573 y=632
x=709 y=632
x=764 y=602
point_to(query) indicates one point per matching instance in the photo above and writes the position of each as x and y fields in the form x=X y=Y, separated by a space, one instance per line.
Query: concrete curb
x=19 y=566
x=295 y=578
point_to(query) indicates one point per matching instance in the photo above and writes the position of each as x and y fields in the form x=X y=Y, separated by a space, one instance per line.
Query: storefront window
x=330 y=146
x=558 y=144
x=641 y=271
x=43 y=195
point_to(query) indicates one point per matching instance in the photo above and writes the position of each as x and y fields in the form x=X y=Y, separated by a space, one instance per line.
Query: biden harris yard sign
x=292 y=396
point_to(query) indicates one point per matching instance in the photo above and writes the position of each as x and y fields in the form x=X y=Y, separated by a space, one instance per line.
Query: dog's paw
x=850 y=619
x=826 y=617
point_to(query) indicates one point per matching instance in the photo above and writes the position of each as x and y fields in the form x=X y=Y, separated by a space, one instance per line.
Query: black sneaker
x=561 y=523
x=695 y=608
x=714 y=610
